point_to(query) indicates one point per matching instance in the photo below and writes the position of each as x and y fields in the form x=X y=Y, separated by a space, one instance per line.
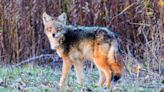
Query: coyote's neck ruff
x=77 y=44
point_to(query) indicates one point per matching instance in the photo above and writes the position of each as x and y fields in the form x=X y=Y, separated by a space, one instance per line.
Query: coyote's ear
x=46 y=18
x=63 y=18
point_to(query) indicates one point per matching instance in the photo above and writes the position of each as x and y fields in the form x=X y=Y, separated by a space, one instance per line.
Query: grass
x=45 y=79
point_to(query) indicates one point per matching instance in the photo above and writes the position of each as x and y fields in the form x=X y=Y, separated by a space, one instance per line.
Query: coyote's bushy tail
x=116 y=60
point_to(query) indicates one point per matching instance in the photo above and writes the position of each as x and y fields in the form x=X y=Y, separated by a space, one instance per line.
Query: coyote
x=75 y=44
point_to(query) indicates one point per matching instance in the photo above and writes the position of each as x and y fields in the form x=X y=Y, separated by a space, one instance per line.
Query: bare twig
x=124 y=10
x=141 y=24
x=32 y=59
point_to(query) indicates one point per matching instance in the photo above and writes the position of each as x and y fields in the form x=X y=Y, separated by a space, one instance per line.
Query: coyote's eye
x=58 y=29
x=49 y=29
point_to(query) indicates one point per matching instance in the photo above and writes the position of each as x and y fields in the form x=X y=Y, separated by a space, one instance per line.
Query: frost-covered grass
x=45 y=79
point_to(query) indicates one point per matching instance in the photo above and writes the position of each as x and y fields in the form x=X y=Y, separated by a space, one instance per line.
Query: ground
x=45 y=79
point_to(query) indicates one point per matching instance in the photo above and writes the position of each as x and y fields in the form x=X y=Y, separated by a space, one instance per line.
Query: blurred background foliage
x=138 y=23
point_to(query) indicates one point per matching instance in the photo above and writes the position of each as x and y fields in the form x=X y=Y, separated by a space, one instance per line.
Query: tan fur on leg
x=105 y=69
x=65 y=70
x=79 y=72
x=101 y=79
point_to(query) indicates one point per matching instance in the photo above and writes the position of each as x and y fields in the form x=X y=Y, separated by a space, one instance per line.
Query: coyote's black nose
x=53 y=35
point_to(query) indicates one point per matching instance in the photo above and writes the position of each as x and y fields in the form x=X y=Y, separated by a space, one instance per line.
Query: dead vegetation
x=138 y=23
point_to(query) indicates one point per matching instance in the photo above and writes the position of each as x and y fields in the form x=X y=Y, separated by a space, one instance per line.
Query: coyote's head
x=54 y=28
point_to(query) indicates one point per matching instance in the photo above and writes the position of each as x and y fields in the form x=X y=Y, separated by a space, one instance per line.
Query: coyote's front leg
x=79 y=72
x=65 y=70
